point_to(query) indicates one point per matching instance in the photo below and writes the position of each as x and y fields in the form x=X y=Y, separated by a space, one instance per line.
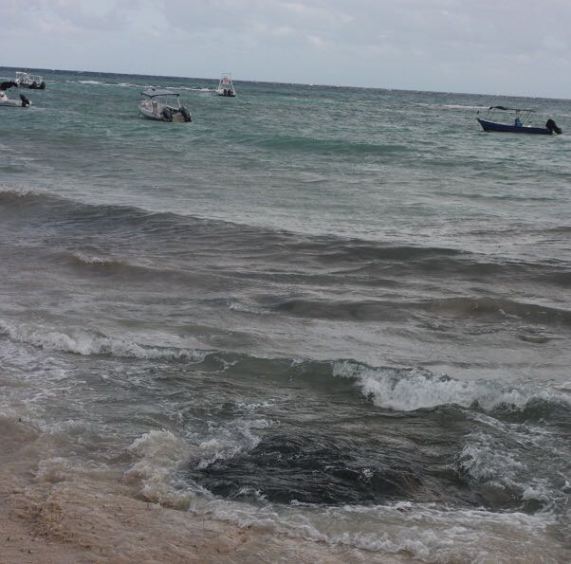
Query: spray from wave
x=413 y=389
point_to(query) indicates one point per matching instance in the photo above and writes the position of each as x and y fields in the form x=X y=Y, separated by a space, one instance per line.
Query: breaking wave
x=88 y=343
x=414 y=389
x=398 y=389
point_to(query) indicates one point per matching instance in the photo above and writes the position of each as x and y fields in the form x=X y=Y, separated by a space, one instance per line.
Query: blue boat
x=519 y=125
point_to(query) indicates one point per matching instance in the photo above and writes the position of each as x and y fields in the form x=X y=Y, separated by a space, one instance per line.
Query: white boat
x=6 y=102
x=226 y=86
x=27 y=80
x=163 y=105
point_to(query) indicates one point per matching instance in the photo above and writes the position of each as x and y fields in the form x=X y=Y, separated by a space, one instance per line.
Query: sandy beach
x=55 y=519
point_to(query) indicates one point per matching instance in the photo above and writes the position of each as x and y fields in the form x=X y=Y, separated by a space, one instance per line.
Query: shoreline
x=50 y=519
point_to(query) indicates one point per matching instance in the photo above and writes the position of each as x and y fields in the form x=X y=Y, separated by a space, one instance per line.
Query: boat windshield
x=226 y=82
x=24 y=76
x=518 y=116
x=171 y=101
x=163 y=98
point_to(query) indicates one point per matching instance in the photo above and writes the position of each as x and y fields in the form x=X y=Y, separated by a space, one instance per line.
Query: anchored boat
x=520 y=123
x=163 y=105
x=226 y=86
x=6 y=102
x=27 y=80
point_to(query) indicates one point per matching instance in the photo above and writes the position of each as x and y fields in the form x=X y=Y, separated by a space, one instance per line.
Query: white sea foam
x=484 y=460
x=54 y=470
x=228 y=441
x=93 y=259
x=423 y=532
x=242 y=307
x=564 y=386
x=158 y=454
x=462 y=107
x=22 y=191
x=418 y=389
x=102 y=83
x=87 y=343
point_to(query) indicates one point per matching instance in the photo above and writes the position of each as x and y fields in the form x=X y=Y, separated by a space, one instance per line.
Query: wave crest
x=413 y=389
x=87 y=343
x=158 y=455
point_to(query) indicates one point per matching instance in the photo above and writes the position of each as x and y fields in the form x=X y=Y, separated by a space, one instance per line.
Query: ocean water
x=340 y=314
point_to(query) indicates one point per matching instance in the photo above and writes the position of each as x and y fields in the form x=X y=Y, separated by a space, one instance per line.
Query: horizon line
x=290 y=83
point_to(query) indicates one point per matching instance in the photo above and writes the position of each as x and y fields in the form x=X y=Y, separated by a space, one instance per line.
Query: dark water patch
x=562 y=279
x=560 y=230
x=342 y=311
x=336 y=468
x=13 y=168
x=309 y=468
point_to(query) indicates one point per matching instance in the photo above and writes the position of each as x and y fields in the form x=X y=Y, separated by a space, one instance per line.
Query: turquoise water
x=378 y=164
x=346 y=311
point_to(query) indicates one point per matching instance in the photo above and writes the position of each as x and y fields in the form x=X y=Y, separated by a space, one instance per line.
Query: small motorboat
x=6 y=102
x=163 y=105
x=27 y=80
x=520 y=124
x=226 y=87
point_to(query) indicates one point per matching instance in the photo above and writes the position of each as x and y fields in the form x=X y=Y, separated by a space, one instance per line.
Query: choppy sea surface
x=344 y=314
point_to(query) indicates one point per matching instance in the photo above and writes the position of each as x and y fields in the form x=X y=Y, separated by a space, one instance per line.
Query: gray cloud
x=488 y=46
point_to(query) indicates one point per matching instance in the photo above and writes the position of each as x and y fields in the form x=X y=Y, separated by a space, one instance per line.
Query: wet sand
x=50 y=518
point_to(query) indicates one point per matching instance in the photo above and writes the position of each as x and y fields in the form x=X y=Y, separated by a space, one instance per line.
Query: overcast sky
x=487 y=46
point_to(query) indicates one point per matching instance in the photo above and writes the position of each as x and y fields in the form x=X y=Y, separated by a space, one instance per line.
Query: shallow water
x=343 y=314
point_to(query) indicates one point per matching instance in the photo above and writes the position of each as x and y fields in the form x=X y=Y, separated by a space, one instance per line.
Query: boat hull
x=33 y=85
x=157 y=115
x=226 y=93
x=13 y=104
x=505 y=128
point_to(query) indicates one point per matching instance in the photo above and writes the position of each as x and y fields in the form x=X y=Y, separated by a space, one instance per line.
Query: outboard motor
x=185 y=114
x=25 y=101
x=553 y=127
